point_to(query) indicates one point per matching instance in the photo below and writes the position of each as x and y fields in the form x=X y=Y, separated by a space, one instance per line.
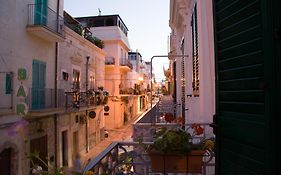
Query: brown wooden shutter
x=195 y=57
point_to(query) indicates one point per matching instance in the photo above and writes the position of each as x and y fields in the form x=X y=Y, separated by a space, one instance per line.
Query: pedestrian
x=77 y=164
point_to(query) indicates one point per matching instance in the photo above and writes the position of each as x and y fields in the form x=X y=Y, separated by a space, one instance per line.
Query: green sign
x=21 y=92
x=21 y=74
x=21 y=109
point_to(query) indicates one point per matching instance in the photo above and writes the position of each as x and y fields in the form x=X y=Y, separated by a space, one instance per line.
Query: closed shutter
x=8 y=83
x=38 y=84
x=244 y=99
x=41 y=12
x=195 y=56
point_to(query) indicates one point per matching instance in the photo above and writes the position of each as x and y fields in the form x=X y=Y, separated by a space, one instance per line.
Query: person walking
x=77 y=164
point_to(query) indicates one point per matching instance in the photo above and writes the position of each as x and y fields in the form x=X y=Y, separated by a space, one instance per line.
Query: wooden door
x=40 y=145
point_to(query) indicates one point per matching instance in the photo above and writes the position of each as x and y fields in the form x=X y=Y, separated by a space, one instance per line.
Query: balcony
x=131 y=157
x=45 y=23
x=42 y=101
x=76 y=100
x=125 y=64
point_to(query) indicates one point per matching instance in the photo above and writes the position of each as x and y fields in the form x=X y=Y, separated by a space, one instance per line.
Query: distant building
x=123 y=103
x=136 y=59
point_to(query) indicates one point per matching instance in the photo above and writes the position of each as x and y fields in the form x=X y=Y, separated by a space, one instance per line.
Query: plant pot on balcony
x=191 y=163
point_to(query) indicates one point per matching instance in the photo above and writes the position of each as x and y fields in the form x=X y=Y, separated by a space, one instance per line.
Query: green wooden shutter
x=243 y=108
x=38 y=84
x=41 y=12
x=8 y=83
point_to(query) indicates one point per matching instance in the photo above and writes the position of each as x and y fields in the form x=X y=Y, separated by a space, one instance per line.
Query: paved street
x=121 y=134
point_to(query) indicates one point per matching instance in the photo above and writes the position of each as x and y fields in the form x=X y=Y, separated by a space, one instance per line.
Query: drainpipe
x=56 y=91
x=56 y=105
x=87 y=124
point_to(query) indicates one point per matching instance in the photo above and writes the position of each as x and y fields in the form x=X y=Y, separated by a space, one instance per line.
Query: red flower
x=197 y=129
x=169 y=117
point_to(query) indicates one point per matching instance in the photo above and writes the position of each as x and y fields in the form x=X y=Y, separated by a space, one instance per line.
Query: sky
x=147 y=21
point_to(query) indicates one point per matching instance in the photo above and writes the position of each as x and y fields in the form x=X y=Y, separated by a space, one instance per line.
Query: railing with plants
x=77 y=99
x=85 y=33
x=136 y=158
x=42 y=15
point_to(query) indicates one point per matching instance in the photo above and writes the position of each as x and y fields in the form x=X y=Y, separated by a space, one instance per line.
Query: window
x=109 y=22
x=64 y=145
x=195 y=57
x=98 y=23
x=92 y=82
x=8 y=83
x=76 y=79
x=65 y=76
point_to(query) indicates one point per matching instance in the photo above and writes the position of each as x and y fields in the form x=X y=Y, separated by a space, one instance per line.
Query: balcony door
x=247 y=48
x=38 y=84
x=41 y=12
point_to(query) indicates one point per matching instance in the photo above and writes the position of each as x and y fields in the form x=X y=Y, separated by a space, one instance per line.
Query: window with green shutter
x=8 y=83
x=195 y=57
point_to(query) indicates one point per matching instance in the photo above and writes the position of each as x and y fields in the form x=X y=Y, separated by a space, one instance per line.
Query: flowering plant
x=204 y=143
x=181 y=142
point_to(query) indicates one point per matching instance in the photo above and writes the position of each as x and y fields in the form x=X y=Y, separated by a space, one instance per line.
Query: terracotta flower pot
x=191 y=163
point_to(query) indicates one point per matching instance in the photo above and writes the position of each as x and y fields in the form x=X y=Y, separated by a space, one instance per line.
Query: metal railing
x=42 y=15
x=131 y=157
x=126 y=62
x=76 y=99
x=44 y=98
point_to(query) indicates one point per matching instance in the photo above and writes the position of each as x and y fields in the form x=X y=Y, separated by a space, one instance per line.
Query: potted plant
x=174 y=151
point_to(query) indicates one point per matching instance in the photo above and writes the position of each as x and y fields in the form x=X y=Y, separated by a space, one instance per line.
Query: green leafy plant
x=37 y=169
x=98 y=42
x=180 y=142
x=172 y=141
x=36 y=160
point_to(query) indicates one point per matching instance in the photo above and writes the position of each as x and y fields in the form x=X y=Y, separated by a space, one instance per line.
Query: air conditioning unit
x=82 y=119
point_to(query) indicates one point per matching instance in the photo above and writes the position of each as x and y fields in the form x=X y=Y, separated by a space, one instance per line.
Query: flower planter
x=191 y=163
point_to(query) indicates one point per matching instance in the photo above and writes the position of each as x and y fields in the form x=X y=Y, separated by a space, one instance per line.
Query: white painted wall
x=73 y=53
x=202 y=108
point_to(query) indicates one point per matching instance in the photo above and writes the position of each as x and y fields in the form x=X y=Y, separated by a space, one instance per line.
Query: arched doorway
x=8 y=159
x=5 y=161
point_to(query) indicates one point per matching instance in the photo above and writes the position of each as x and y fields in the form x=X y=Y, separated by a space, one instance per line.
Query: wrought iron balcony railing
x=126 y=62
x=42 y=15
x=77 y=99
x=131 y=158
x=44 y=98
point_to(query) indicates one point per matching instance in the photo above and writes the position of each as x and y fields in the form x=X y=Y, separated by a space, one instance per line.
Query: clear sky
x=147 y=21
